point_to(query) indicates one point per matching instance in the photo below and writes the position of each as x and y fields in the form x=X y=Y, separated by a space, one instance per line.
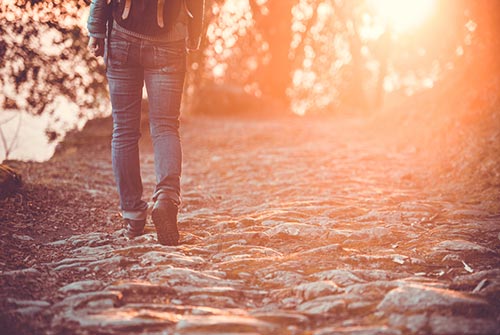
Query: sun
x=403 y=15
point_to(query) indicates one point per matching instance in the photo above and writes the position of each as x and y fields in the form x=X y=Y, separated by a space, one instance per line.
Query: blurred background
x=426 y=68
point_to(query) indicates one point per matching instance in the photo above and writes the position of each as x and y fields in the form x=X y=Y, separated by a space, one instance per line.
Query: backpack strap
x=126 y=9
x=186 y=9
x=159 y=13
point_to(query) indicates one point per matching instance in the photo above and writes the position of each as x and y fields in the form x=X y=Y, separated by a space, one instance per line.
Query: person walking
x=144 y=42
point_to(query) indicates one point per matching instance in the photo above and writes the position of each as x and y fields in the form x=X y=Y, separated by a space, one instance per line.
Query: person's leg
x=125 y=77
x=164 y=76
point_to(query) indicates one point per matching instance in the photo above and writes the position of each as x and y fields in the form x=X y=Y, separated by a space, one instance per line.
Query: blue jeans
x=131 y=63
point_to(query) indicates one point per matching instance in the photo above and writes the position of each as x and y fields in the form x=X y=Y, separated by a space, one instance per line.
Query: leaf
x=481 y=285
x=467 y=267
x=398 y=259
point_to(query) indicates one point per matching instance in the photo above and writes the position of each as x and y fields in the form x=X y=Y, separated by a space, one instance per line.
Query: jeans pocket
x=118 y=52
x=170 y=58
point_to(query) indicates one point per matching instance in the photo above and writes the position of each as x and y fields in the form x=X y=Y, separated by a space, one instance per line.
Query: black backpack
x=147 y=17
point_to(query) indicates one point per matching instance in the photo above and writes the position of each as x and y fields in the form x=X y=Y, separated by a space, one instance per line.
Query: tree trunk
x=276 y=28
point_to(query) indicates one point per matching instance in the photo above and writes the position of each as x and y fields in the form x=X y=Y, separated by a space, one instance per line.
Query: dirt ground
x=288 y=226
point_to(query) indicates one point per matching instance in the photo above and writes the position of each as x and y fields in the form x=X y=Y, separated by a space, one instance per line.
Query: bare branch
x=4 y=143
x=15 y=138
x=8 y=147
x=7 y=120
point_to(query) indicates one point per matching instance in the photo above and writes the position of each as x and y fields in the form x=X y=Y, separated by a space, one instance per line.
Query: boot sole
x=167 y=231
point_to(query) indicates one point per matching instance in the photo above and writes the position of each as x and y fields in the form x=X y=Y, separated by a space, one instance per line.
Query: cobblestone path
x=287 y=227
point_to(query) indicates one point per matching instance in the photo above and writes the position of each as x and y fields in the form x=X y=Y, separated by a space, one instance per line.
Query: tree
x=9 y=144
x=273 y=20
x=43 y=57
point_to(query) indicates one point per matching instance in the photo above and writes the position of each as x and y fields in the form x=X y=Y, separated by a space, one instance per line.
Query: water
x=26 y=136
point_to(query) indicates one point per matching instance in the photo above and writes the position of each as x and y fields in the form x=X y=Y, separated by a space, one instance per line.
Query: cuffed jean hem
x=135 y=215
x=170 y=195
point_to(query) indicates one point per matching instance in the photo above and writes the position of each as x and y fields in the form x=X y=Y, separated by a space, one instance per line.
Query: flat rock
x=209 y=299
x=293 y=229
x=95 y=299
x=244 y=237
x=476 y=213
x=181 y=276
x=226 y=291
x=97 y=252
x=372 y=233
x=111 y=263
x=374 y=288
x=82 y=286
x=414 y=298
x=137 y=250
x=172 y=258
x=377 y=261
x=360 y=330
x=90 y=239
x=471 y=280
x=414 y=324
x=251 y=264
x=141 y=287
x=224 y=324
x=285 y=278
x=239 y=251
x=321 y=251
x=316 y=289
x=282 y=318
x=461 y=245
x=455 y=325
x=323 y=305
x=28 y=273
x=30 y=311
x=23 y=237
x=340 y=277
x=28 y=303
x=373 y=274
x=71 y=266
x=116 y=321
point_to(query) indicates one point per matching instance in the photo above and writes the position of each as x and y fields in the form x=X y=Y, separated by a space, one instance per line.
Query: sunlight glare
x=403 y=15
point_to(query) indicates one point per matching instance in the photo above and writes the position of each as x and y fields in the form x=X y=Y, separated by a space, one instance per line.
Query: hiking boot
x=165 y=221
x=134 y=227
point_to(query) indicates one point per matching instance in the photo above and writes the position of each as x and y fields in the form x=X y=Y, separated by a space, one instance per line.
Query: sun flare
x=403 y=15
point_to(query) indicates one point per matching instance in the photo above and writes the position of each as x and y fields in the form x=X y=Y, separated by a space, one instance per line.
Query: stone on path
x=82 y=286
x=28 y=308
x=451 y=325
x=357 y=331
x=330 y=304
x=293 y=229
x=115 y=321
x=413 y=298
x=340 y=277
x=462 y=245
x=316 y=289
x=224 y=324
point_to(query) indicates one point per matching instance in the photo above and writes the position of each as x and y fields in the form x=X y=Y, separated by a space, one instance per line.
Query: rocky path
x=287 y=227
